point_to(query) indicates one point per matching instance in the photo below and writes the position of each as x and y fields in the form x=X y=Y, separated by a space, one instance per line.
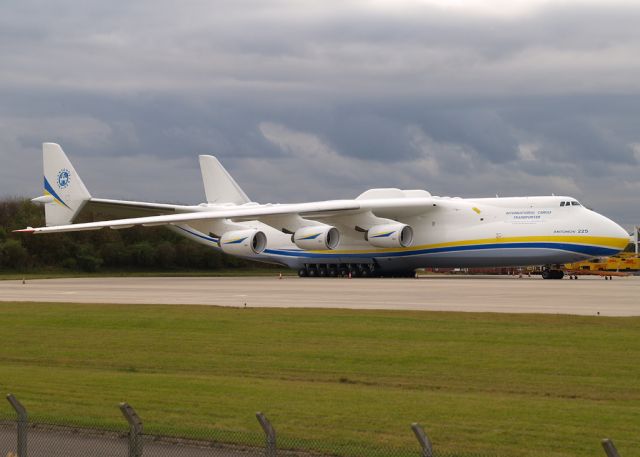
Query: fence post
x=23 y=421
x=135 y=429
x=609 y=448
x=423 y=439
x=270 y=435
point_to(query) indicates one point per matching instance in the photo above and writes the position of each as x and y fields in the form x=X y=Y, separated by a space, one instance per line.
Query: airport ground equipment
x=622 y=262
x=382 y=232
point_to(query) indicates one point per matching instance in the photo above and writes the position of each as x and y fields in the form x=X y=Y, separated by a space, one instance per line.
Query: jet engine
x=316 y=237
x=243 y=242
x=390 y=235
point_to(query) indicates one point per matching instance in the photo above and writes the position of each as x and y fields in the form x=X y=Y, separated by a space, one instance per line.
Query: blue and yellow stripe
x=236 y=241
x=48 y=190
x=383 y=235
x=311 y=237
x=587 y=245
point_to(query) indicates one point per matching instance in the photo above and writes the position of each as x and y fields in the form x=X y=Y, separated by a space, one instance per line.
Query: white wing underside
x=349 y=213
x=67 y=200
x=125 y=209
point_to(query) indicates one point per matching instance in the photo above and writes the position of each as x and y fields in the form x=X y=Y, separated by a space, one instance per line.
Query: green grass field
x=495 y=384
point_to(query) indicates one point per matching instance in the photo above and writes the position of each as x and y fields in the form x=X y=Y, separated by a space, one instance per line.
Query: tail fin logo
x=64 y=178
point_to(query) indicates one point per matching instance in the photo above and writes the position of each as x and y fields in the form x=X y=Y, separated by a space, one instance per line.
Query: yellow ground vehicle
x=625 y=261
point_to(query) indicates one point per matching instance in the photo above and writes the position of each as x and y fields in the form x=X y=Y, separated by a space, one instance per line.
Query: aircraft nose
x=614 y=237
x=613 y=230
x=619 y=231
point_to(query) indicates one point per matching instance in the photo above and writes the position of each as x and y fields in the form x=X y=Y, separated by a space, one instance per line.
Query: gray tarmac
x=503 y=294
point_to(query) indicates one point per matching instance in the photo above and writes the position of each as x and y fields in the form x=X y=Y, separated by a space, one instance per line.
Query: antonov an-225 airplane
x=381 y=232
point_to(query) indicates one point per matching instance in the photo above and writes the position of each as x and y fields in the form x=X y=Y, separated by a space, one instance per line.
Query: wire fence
x=22 y=435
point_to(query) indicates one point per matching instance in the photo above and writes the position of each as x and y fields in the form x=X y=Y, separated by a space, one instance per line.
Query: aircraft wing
x=394 y=209
x=241 y=213
x=119 y=208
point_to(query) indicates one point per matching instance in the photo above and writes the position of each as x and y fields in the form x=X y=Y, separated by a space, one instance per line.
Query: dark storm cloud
x=305 y=100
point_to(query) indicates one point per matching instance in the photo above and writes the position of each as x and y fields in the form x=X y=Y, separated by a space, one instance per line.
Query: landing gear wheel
x=322 y=272
x=313 y=272
x=365 y=272
x=552 y=274
x=344 y=272
x=333 y=272
x=303 y=273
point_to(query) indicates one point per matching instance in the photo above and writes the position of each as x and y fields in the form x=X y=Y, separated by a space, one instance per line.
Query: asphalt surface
x=585 y=296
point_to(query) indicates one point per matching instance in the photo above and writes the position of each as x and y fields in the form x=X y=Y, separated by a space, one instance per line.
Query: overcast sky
x=308 y=100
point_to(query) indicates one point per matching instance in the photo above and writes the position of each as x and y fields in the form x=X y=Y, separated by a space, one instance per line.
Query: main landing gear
x=337 y=270
x=552 y=274
x=353 y=270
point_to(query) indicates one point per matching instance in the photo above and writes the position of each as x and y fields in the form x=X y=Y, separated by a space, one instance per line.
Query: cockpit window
x=561 y=203
x=574 y=203
x=571 y=203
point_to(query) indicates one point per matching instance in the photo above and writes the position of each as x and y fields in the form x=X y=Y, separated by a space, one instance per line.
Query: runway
x=585 y=296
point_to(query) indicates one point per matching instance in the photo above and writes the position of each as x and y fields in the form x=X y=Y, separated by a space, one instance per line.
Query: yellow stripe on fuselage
x=609 y=242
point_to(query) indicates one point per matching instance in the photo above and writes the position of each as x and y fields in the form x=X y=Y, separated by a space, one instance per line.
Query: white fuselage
x=460 y=233
x=380 y=231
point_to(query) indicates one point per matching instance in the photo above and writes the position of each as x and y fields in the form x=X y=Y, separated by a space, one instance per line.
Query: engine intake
x=390 y=235
x=316 y=237
x=243 y=242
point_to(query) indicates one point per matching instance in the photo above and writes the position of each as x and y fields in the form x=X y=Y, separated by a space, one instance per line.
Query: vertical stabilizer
x=219 y=186
x=65 y=193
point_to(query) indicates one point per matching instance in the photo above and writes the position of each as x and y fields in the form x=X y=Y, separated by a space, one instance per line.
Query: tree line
x=137 y=248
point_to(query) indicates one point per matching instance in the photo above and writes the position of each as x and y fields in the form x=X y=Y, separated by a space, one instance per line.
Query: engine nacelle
x=390 y=235
x=243 y=242
x=316 y=237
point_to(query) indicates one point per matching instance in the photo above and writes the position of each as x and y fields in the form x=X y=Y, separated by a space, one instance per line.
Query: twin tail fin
x=64 y=192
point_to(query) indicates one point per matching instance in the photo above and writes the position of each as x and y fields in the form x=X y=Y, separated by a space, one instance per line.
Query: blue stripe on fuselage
x=595 y=251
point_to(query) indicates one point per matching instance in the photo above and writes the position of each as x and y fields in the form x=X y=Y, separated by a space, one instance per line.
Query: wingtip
x=26 y=230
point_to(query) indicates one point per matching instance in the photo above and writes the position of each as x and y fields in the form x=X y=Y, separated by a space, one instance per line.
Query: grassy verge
x=488 y=383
